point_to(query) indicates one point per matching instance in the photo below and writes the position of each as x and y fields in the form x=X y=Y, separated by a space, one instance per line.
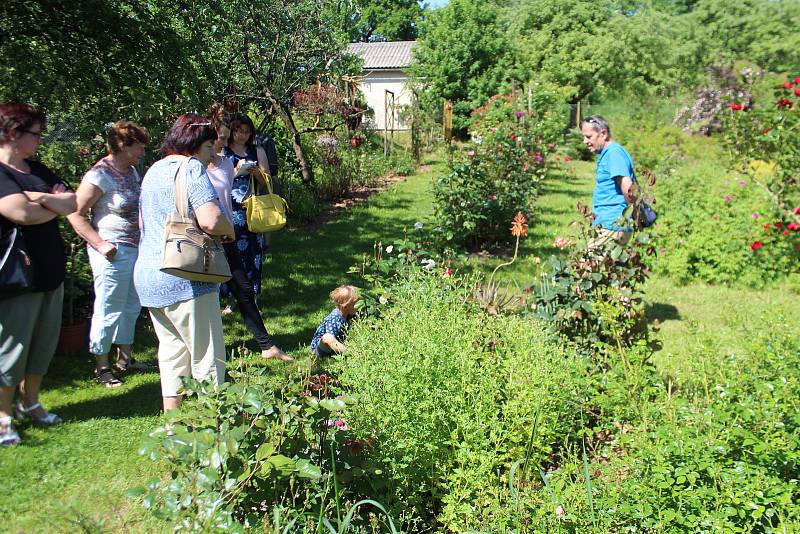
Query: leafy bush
x=723 y=456
x=242 y=455
x=723 y=231
x=488 y=185
x=451 y=398
x=768 y=132
x=595 y=296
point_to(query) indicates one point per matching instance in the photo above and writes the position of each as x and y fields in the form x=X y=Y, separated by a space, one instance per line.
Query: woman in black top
x=31 y=197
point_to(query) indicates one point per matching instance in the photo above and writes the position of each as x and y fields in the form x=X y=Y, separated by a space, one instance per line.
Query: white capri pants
x=190 y=342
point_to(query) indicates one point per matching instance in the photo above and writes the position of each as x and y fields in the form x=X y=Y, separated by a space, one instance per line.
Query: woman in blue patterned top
x=241 y=149
x=185 y=314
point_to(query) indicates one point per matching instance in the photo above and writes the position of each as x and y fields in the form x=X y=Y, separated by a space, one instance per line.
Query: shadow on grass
x=662 y=312
x=140 y=400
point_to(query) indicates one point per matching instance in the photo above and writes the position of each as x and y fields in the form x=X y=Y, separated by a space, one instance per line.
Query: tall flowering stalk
x=519 y=228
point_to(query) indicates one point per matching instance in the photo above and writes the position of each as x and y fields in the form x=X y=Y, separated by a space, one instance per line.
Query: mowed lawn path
x=72 y=478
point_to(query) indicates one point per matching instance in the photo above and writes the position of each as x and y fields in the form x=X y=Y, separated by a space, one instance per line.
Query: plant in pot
x=77 y=295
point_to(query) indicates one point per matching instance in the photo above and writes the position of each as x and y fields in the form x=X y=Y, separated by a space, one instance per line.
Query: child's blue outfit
x=334 y=324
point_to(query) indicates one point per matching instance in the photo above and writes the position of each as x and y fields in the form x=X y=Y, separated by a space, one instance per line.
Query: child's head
x=345 y=298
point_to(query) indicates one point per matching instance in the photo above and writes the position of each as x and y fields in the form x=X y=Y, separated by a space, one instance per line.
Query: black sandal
x=105 y=377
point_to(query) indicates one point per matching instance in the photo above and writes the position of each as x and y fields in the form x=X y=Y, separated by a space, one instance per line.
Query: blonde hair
x=344 y=295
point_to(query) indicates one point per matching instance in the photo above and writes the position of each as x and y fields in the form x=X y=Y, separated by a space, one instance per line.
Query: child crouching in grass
x=329 y=336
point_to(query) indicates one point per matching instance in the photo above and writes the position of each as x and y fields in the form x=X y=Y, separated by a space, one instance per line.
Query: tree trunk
x=286 y=116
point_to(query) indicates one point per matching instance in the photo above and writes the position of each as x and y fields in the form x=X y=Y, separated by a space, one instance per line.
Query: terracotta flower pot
x=74 y=338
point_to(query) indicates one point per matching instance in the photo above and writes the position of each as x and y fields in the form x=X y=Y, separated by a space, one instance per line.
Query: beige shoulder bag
x=189 y=252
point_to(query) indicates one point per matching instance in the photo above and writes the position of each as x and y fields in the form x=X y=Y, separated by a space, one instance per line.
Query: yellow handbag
x=265 y=213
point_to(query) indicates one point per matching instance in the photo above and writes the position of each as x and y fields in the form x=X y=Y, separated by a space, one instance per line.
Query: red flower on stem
x=756 y=245
x=788 y=85
x=796 y=80
x=783 y=103
x=794 y=227
x=767 y=227
x=519 y=228
x=797 y=92
x=736 y=107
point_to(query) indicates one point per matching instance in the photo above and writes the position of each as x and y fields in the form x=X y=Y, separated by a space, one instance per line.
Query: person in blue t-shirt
x=329 y=337
x=614 y=178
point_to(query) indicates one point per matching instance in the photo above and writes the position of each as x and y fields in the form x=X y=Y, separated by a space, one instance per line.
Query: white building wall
x=374 y=86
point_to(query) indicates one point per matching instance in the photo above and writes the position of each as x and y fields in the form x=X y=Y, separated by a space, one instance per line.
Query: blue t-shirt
x=608 y=202
x=157 y=289
x=334 y=324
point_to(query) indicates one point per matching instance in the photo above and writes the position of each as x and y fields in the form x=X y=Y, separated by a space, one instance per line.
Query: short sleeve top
x=335 y=324
x=608 y=201
x=221 y=176
x=44 y=243
x=115 y=214
x=157 y=289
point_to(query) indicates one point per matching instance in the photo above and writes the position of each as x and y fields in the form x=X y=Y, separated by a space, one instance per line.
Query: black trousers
x=241 y=288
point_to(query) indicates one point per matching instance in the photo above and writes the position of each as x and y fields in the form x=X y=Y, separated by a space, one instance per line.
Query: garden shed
x=383 y=80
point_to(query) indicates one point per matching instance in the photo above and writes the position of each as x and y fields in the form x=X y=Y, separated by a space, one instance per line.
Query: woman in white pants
x=185 y=314
x=109 y=192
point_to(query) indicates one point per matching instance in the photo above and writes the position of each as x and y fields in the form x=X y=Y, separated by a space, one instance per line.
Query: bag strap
x=179 y=186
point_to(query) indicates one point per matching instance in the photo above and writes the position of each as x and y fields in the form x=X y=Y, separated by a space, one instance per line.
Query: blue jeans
x=116 y=304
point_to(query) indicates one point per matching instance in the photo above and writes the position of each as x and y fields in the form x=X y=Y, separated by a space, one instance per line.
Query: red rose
x=796 y=80
x=736 y=107
x=796 y=211
x=794 y=227
x=797 y=92
x=783 y=103
x=784 y=233
x=511 y=136
x=788 y=85
x=767 y=227
x=778 y=224
x=756 y=245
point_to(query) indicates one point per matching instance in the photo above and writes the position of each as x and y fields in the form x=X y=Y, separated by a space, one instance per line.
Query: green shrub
x=243 y=455
x=451 y=398
x=722 y=230
x=487 y=186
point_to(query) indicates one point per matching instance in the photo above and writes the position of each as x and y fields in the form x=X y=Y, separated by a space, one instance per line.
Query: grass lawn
x=72 y=477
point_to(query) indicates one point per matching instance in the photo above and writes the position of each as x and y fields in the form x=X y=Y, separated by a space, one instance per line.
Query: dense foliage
x=589 y=47
x=499 y=173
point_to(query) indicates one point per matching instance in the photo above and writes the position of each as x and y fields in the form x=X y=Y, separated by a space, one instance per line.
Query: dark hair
x=238 y=120
x=125 y=133
x=187 y=134
x=18 y=117
x=598 y=123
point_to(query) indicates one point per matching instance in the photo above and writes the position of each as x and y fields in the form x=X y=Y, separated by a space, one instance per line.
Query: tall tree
x=386 y=20
x=463 y=56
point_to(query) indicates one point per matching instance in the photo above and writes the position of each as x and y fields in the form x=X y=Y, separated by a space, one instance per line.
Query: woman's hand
x=107 y=250
x=59 y=188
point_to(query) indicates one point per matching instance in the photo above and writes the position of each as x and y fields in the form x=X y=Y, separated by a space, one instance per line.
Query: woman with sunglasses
x=31 y=198
x=220 y=170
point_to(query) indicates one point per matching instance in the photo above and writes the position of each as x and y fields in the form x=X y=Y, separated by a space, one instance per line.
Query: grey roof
x=396 y=55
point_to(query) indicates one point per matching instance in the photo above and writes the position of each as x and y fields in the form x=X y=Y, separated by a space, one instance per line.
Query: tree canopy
x=386 y=20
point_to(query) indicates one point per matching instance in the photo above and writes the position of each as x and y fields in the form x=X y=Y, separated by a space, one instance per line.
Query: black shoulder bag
x=16 y=268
